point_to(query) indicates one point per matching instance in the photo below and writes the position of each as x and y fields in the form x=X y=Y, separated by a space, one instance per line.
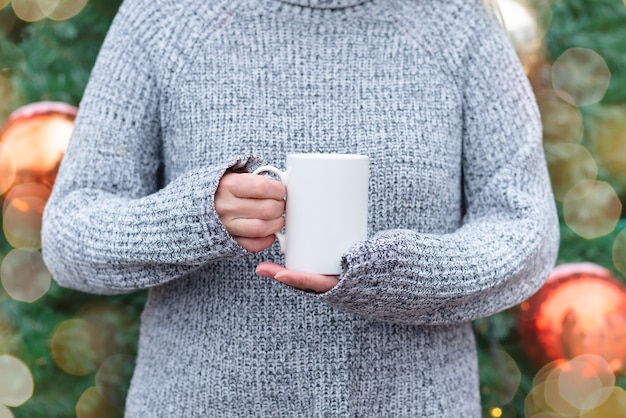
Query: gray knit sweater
x=462 y=221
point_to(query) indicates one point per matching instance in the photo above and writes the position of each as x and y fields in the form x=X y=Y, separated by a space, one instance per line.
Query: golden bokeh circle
x=607 y=138
x=4 y=3
x=92 y=405
x=5 y=412
x=575 y=388
x=565 y=388
x=27 y=10
x=109 y=320
x=581 y=379
x=545 y=371
x=48 y=6
x=24 y=275
x=535 y=402
x=592 y=208
x=581 y=75
x=16 y=381
x=112 y=378
x=76 y=347
x=562 y=122
x=613 y=407
x=64 y=9
x=495 y=412
x=553 y=396
x=619 y=252
x=569 y=164
x=21 y=221
x=18 y=191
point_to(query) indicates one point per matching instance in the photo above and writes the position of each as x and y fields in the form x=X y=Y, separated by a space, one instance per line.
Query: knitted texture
x=462 y=222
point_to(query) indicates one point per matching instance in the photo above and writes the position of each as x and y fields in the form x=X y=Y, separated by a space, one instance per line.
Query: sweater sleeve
x=109 y=226
x=507 y=244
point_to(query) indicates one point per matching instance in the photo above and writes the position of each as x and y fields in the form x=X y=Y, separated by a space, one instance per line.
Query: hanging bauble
x=32 y=142
x=581 y=309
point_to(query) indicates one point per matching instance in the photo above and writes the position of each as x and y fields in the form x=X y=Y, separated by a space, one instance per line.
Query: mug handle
x=280 y=237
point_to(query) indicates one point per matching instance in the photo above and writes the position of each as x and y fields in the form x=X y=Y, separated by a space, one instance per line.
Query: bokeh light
x=562 y=121
x=581 y=75
x=48 y=6
x=19 y=191
x=5 y=412
x=582 y=379
x=4 y=3
x=607 y=137
x=92 y=405
x=495 y=412
x=24 y=275
x=108 y=320
x=535 y=402
x=619 y=252
x=77 y=347
x=21 y=221
x=16 y=381
x=569 y=164
x=592 y=208
x=63 y=9
x=552 y=395
x=570 y=388
x=34 y=10
x=27 y=10
x=113 y=378
x=613 y=407
x=23 y=208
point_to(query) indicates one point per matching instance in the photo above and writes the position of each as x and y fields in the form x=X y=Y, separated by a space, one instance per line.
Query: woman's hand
x=251 y=208
x=303 y=281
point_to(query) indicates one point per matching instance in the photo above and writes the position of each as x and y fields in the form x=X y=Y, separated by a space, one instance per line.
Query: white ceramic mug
x=326 y=211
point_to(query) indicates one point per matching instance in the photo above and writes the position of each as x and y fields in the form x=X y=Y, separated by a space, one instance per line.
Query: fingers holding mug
x=254 y=227
x=251 y=209
x=255 y=245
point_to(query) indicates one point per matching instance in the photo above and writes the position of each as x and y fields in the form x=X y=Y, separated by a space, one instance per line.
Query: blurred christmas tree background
x=562 y=353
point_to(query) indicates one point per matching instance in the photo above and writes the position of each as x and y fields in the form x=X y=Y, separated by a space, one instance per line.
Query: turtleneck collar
x=326 y=4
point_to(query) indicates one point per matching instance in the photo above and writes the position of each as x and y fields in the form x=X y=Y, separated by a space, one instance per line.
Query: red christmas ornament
x=32 y=142
x=581 y=309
